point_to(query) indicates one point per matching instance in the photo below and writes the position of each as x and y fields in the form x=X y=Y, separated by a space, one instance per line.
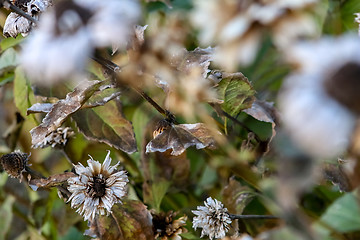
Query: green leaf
x=107 y=124
x=10 y=42
x=344 y=214
x=237 y=93
x=130 y=220
x=22 y=92
x=6 y=216
x=6 y=78
x=347 y=14
x=159 y=190
x=8 y=59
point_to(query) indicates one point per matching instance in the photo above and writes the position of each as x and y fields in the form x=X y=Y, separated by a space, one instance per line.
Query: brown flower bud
x=14 y=163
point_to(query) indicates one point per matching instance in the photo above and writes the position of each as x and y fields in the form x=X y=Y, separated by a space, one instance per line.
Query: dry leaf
x=63 y=109
x=51 y=181
x=107 y=124
x=180 y=137
x=265 y=112
x=128 y=221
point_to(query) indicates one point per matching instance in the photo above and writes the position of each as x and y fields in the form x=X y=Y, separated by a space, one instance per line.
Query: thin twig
x=14 y=8
x=233 y=216
x=109 y=65
x=217 y=108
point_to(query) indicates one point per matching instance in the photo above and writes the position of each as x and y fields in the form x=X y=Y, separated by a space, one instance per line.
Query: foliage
x=185 y=122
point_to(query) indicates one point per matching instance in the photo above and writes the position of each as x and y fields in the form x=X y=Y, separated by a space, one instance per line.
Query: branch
x=233 y=216
x=109 y=65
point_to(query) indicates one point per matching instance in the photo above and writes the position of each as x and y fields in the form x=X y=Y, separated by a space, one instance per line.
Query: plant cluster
x=219 y=119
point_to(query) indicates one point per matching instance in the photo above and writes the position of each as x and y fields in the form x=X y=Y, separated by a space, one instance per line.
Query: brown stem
x=233 y=216
x=109 y=65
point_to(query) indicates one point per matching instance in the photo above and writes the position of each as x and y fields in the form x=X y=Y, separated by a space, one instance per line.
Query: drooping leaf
x=63 y=109
x=128 y=221
x=343 y=214
x=99 y=98
x=265 y=112
x=180 y=137
x=22 y=92
x=107 y=124
x=236 y=91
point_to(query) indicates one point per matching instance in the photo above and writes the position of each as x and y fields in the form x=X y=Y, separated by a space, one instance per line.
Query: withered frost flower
x=69 y=33
x=55 y=139
x=213 y=218
x=237 y=26
x=15 y=23
x=320 y=100
x=96 y=188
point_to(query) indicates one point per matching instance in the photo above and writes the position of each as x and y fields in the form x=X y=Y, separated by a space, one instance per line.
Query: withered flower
x=15 y=24
x=57 y=138
x=96 y=188
x=14 y=163
x=167 y=227
x=213 y=218
x=319 y=101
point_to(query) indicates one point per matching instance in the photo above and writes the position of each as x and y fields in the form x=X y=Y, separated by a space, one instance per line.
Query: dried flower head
x=213 y=218
x=320 y=100
x=14 y=163
x=16 y=24
x=96 y=188
x=167 y=227
x=58 y=138
x=69 y=32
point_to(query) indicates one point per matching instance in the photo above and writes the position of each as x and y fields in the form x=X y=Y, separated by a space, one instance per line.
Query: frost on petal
x=213 y=218
x=96 y=190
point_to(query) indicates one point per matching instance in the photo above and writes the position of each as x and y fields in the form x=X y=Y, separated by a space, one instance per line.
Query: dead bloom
x=96 y=188
x=213 y=218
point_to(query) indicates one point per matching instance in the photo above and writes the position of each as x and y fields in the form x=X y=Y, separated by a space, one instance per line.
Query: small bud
x=14 y=163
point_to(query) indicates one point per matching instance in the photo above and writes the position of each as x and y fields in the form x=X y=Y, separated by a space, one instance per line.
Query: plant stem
x=109 y=65
x=233 y=216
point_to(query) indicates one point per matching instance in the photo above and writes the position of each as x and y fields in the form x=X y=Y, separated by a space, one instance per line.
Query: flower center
x=99 y=186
